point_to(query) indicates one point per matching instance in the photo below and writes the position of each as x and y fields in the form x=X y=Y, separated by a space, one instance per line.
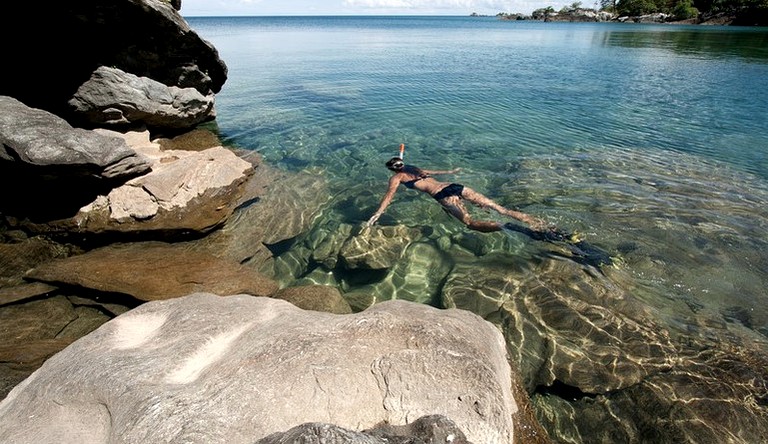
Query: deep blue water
x=649 y=139
x=479 y=84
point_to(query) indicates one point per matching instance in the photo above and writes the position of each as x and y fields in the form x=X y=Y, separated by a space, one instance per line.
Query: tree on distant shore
x=743 y=12
x=753 y=12
x=608 y=5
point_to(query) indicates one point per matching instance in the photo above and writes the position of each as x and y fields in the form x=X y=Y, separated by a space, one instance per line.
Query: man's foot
x=538 y=224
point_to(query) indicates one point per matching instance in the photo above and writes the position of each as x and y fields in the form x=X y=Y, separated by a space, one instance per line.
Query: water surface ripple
x=649 y=140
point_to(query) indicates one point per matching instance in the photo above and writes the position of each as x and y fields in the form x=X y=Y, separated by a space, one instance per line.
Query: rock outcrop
x=21 y=256
x=151 y=271
x=205 y=368
x=432 y=429
x=57 y=46
x=570 y=14
x=112 y=98
x=186 y=191
x=71 y=180
x=47 y=166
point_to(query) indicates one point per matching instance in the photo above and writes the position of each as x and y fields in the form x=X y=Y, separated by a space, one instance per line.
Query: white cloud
x=428 y=4
x=362 y=7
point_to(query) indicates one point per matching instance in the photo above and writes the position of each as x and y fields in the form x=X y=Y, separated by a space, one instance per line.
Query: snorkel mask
x=396 y=163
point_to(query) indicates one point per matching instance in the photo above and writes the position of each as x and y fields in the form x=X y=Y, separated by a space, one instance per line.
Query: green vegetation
x=737 y=12
x=745 y=11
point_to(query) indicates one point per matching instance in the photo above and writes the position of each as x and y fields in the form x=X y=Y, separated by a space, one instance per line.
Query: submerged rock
x=277 y=207
x=594 y=357
x=567 y=329
x=227 y=359
x=377 y=247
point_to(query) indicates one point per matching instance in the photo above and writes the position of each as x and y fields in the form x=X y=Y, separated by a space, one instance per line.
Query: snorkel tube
x=402 y=150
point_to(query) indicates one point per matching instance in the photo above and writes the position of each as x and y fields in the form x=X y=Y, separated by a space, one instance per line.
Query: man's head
x=395 y=164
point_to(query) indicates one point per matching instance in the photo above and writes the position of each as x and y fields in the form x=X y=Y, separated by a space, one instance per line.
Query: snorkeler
x=450 y=196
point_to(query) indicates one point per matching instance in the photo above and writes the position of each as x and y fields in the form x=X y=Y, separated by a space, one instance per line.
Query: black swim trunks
x=453 y=189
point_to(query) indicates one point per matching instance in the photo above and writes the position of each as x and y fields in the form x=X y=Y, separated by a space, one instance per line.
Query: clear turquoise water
x=468 y=87
x=648 y=139
x=613 y=130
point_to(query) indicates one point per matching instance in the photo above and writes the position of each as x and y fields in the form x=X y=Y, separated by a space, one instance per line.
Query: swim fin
x=586 y=252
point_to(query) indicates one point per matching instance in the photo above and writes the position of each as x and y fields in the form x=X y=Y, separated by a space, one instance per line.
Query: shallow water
x=648 y=140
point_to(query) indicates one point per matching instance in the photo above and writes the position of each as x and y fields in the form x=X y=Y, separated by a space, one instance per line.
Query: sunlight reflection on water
x=649 y=140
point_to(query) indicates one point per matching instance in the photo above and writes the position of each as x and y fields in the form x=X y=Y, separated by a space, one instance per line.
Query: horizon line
x=354 y=15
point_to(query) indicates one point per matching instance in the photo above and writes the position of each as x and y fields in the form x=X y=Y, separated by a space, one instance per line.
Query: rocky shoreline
x=137 y=293
x=123 y=231
x=586 y=15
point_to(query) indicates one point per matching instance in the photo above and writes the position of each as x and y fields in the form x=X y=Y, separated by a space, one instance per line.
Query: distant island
x=704 y=12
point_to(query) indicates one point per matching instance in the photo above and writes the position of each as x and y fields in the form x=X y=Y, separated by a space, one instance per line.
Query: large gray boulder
x=205 y=368
x=33 y=138
x=433 y=429
x=54 y=47
x=112 y=98
x=43 y=159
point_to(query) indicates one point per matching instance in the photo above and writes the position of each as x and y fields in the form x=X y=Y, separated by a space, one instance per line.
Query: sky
x=190 y=8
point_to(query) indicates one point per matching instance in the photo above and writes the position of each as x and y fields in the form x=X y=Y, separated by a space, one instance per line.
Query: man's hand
x=373 y=219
